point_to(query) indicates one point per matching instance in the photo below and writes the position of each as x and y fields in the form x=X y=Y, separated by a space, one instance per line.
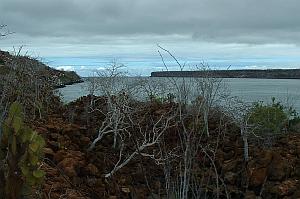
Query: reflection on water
x=249 y=90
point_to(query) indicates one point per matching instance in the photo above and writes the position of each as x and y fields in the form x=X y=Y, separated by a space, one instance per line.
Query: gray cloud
x=230 y=21
x=207 y=29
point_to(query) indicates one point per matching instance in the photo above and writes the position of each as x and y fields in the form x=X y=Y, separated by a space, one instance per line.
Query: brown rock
x=296 y=195
x=68 y=166
x=50 y=171
x=53 y=128
x=60 y=155
x=77 y=154
x=230 y=165
x=250 y=195
x=230 y=177
x=229 y=148
x=257 y=176
x=239 y=151
x=298 y=150
x=72 y=161
x=74 y=194
x=157 y=185
x=54 y=145
x=41 y=130
x=229 y=155
x=266 y=160
x=296 y=171
x=279 y=168
x=54 y=135
x=85 y=141
x=141 y=192
x=92 y=169
x=288 y=187
x=91 y=182
x=72 y=130
x=48 y=151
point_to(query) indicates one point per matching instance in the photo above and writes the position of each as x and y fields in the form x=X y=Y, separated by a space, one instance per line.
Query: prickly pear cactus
x=21 y=151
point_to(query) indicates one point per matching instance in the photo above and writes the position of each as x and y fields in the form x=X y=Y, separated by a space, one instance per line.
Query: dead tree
x=114 y=122
x=108 y=83
x=146 y=138
x=122 y=122
x=193 y=110
x=238 y=111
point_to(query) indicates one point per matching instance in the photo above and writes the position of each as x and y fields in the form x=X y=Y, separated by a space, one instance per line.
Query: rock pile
x=73 y=172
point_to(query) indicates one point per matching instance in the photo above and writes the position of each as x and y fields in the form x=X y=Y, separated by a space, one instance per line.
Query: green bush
x=20 y=153
x=294 y=122
x=272 y=118
x=170 y=98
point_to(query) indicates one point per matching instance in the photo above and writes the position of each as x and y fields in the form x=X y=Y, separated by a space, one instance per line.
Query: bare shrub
x=29 y=81
x=184 y=108
x=133 y=133
x=194 y=112
x=238 y=111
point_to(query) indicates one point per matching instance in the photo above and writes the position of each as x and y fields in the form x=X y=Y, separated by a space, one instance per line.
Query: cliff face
x=67 y=78
x=262 y=74
x=27 y=64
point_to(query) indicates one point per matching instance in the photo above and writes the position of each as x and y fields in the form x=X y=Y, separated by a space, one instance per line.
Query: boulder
x=230 y=177
x=257 y=176
x=71 y=166
x=48 y=152
x=279 y=168
x=250 y=195
x=71 y=130
x=91 y=169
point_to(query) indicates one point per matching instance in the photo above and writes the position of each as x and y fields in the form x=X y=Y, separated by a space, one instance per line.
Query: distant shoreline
x=68 y=83
x=247 y=73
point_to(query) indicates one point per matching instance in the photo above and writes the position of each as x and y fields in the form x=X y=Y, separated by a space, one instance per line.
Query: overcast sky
x=59 y=30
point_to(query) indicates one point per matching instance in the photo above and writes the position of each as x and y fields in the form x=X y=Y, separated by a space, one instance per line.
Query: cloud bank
x=193 y=28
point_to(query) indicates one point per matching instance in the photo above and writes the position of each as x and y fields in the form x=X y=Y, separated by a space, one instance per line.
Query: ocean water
x=248 y=90
x=144 y=65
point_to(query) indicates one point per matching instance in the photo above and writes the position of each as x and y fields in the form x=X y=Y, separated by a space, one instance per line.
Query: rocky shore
x=73 y=172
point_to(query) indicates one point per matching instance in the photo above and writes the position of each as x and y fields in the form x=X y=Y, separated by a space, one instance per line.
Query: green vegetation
x=69 y=77
x=20 y=154
x=161 y=99
x=10 y=64
x=272 y=118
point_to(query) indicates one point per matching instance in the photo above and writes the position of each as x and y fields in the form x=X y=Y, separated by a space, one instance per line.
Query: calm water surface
x=248 y=90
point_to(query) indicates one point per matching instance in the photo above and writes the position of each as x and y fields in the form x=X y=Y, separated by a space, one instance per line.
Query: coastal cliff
x=261 y=74
x=30 y=65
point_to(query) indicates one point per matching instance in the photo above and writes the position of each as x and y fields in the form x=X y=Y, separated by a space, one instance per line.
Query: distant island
x=259 y=74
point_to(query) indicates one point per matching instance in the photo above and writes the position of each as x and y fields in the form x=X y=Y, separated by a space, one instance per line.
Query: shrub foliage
x=20 y=154
x=271 y=118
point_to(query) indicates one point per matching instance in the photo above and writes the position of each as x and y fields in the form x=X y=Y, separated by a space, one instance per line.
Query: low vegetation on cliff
x=19 y=63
